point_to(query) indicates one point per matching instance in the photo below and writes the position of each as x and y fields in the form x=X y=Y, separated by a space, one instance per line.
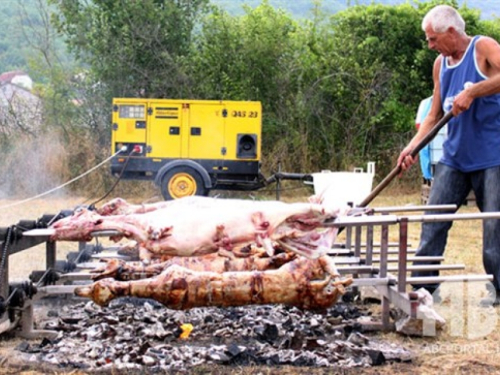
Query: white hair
x=442 y=17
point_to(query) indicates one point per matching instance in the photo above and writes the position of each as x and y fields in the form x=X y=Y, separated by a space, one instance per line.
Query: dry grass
x=446 y=354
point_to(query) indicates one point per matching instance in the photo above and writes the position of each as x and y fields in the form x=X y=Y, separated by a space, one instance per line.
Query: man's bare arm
x=488 y=61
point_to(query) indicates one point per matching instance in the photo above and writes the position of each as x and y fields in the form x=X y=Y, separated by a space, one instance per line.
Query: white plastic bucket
x=343 y=188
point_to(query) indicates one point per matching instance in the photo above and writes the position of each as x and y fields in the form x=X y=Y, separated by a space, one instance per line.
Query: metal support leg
x=4 y=282
x=369 y=245
x=403 y=253
x=82 y=245
x=27 y=330
x=386 y=302
x=348 y=238
x=5 y=323
x=50 y=254
x=357 y=241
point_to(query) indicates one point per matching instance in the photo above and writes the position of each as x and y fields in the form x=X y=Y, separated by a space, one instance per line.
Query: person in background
x=425 y=154
x=466 y=77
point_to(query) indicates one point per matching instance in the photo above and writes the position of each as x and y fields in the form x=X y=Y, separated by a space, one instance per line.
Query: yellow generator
x=188 y=147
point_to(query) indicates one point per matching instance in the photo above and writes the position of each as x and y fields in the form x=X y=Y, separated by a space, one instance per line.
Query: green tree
x=131 y=47
x=256 y=56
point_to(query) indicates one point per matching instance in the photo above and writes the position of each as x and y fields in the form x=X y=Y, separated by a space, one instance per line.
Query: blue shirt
x=425 y=154
x=473 y=141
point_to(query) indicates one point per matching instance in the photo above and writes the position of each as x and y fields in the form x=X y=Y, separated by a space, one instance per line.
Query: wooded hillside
x=337 y=90
x=21 y=21
x=302 y=8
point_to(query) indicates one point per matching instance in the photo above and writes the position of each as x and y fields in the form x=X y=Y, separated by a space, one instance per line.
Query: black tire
x=181 y=182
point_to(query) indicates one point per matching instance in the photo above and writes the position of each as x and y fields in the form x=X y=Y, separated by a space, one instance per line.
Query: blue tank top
x=473 y=141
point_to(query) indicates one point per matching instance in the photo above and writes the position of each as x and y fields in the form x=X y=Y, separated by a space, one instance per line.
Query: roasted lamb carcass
x=305 y=283
x=196 y=228
x=119 y=206
x=125 y=271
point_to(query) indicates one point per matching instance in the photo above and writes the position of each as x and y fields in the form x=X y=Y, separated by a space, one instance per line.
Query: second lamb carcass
x=125 y=271
x=132 y=251
x=195 y=229
x=305 y=283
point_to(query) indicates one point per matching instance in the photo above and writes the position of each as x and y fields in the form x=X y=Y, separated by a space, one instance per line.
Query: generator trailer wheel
x=182 y=182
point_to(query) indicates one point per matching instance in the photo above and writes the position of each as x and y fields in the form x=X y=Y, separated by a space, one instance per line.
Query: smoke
x=32 y=166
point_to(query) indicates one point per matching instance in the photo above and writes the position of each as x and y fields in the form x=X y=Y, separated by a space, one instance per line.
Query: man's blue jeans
x=451 y=186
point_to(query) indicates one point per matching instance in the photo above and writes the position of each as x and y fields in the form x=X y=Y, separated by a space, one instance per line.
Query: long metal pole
x=451 y=217
x=347 y=221
x=437 y=207
x=387 y=180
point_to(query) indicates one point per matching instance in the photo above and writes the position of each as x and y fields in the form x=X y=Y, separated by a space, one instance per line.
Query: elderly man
x=466 y=77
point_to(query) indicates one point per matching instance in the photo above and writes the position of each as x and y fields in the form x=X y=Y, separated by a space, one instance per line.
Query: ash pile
x=132 y=334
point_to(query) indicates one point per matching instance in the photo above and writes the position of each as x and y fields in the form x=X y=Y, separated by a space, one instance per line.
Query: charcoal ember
x=269 y=332
x=63 y=344
x=393 y=352
x=350 y=296
x=335 y=320
x=156 y=331
x=146 y=345
x=234 y=314
x=91 y=308
x=346 y=311
x=297 y=340
x=224 y=332
x=123 y=367
x=352 y=327
x=274 y=359
x=149 y=360
x=376 y=356
x=356 y=361
x=46 y=341
x=99 y=332
x=288 y=324
x=234 y=349
x=24 y=347
x=249 y=335
x=133 y=356
x=218 y=354
x=94 y=352
x=172 y=336
x=78 y=365
x=56 y=325
x=54 y=359
x=126 y=336
x=156 y=353
x=338 y=333
x=73 y=318
x=111 y=319
x=303 y=359
x=245 y=358
x=352 y=349
x=314 y=322
x=358 y=339
x=312 y=343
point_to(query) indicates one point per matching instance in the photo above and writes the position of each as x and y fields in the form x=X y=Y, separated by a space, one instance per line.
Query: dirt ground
x=470 y=343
